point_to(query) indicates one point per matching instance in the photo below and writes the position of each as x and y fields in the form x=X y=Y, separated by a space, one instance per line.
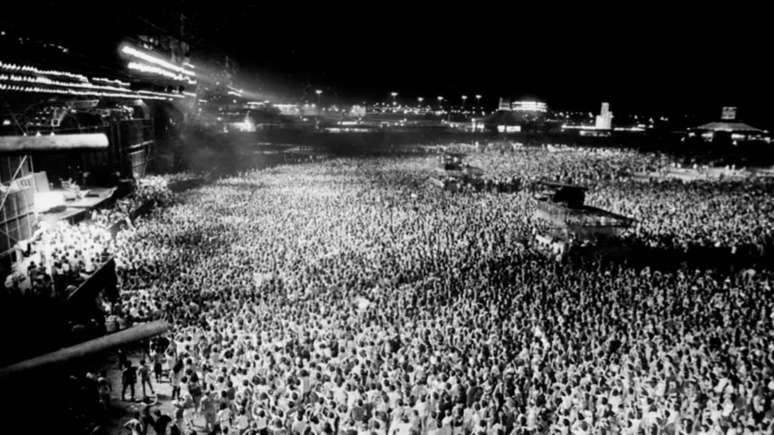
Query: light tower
x=604 y=120
x=317 y=119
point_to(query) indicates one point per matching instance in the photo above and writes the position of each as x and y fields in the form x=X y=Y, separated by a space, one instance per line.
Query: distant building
x=517 y=116
x=728 y=114
x=289 y=109
x=357 y=111
x=604 y=121
x=503 y=121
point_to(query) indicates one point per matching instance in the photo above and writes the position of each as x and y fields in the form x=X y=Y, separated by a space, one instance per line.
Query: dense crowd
x=731 y=215
x=350 y=297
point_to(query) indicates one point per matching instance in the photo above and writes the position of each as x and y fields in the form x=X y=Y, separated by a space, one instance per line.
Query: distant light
x=478 y=96
x=6 y=122
x=440 y=98
x=464 y=97
x=394 y=94
x=318 y=91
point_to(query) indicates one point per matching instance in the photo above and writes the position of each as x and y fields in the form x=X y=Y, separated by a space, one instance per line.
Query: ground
x=122 y=410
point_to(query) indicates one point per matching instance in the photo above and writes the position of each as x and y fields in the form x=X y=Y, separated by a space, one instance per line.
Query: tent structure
x=732 y=131
x=731 y=127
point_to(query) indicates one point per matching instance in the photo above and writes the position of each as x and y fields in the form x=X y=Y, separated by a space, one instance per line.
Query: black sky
x=642 y=58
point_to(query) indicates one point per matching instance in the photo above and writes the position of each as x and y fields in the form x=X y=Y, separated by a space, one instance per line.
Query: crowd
x=733 y=215
x=350 y=297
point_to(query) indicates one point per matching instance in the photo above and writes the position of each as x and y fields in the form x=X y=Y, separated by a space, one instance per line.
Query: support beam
x=106 y=342
x=10 y=144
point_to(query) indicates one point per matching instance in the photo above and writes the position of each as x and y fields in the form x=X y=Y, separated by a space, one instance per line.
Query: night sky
x=641 y=58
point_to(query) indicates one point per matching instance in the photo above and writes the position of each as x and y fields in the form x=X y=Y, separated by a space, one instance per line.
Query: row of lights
x=72 y=92
x=48 y=82
x=33 y=70
x=440 y=98
x=83 y=86
x=110 y=82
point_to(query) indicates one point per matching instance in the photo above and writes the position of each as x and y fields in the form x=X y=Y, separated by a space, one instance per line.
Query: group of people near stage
x=62 y=256
x=349 y=297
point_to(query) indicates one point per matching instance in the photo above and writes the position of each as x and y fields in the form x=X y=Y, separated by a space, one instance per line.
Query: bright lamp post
x=319 y=109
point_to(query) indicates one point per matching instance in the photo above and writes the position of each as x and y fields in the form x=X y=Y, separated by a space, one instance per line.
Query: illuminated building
x=517 y=116
x=529 y=106
x=289 y=109
x=357 y=111
x=604 y=121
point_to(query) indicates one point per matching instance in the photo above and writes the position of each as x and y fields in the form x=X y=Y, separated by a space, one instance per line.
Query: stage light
x=131 y=51
x=110 y=82
x=151 y=69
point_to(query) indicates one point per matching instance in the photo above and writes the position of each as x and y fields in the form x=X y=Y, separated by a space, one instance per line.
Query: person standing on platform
x=128 y=379
x=105 y=389
x=145 y=378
